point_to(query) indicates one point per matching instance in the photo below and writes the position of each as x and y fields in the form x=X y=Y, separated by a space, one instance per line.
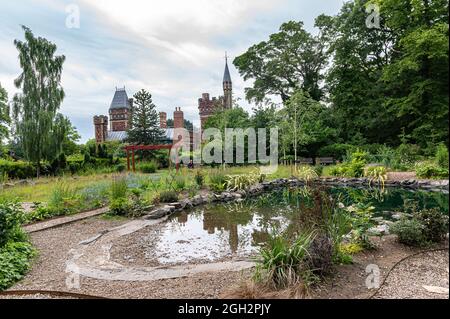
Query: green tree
x=144 y=126
x=4 y=114
x=70 y=144
x=417 y=75
x=302 y=125
x=39 y=127
x=291 y=59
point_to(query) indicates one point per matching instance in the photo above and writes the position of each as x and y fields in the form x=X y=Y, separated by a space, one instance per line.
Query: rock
x=159 y=213
x=379 y=230
x=436 y=290
x=397 y=216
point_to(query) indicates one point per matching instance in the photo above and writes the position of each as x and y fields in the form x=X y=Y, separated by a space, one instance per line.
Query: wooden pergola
x=131 y=149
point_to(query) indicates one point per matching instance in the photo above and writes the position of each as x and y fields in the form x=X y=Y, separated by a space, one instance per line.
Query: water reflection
x=221 y=231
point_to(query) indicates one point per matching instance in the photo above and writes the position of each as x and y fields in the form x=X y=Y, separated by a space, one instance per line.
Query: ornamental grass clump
x=283 y=263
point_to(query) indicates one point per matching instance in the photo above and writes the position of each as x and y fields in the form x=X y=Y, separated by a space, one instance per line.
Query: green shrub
x=180 y=182
x=353 y=168
x=11 y=216
x=319 y=170
x=442 y=156
x=199 y=178
x=337 y=151
x=431 y=170
x=168 y=197
x=14 y=262
x=435 y=224
x=121 y=168
x=409 y=232
x=217 y=181
x=62 y=199
x=119 y=206
x=148 y=168
x=119 y=188
x=17 y=170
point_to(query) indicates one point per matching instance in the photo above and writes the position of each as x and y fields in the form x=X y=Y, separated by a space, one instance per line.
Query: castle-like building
x=115 y=127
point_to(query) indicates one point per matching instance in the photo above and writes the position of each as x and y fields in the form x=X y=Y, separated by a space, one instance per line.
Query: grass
x=151 y=184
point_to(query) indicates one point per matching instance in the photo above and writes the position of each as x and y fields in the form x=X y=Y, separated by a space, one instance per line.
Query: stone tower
x=178 y=118
x=227 y=87
x=101 y=128
x=120 y=111
x=163 y=120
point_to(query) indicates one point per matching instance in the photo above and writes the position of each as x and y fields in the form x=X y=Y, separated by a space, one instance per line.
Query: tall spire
x=227 y=86
x=226 y=76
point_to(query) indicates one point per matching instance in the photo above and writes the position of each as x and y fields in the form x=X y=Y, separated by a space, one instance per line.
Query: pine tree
x=39 y=128
x=144 y=126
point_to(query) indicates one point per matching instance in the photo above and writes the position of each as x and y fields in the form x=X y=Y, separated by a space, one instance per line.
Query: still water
x=236 y=230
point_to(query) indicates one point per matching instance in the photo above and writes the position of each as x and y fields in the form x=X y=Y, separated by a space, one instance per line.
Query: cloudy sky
x=173 y=48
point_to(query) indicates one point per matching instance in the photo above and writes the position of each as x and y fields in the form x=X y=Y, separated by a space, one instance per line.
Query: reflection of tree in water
x=182 y=218
x=227 y=218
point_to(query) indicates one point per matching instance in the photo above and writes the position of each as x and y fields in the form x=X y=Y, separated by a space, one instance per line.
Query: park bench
x=308 y=161
x=325 y=161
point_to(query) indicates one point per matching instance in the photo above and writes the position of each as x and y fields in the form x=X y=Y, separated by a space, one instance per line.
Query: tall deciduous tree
x=291 y=59
x=144 y=123
x=39 y=127
x=417 y=77
x=4 y=114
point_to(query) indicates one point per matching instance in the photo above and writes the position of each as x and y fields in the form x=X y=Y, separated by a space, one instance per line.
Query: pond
x=235 y=230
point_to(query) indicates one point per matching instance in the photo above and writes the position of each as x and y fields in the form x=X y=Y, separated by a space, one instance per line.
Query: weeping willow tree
x=39 y=127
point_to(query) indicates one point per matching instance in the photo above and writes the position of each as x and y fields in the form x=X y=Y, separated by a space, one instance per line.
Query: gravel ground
x=54 y=245
x=406 y=281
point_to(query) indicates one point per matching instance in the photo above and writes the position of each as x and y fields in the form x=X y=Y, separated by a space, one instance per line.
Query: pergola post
x=128 y=159
x=134 y=163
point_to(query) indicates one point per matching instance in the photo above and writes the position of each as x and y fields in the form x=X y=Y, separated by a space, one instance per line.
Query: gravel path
x=408 y=279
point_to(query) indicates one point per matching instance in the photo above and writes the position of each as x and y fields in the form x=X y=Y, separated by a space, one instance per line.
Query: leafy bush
x=168 y=197
x=62 y=199
x=319 y=170
x=17 y=170
x=180 y=182
x=337 y=151
x=283 y=263
x=426 y=226
x=321 y=255
x=430 y=170
x=353 y=168
x=14 y=262
x=148 y=168
x=217 y=181
x=435 y=224
x=350 y=248
x=11 y=216
x=442 y=156
x=121 y=168
x=409 y=232
x=199 y=178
